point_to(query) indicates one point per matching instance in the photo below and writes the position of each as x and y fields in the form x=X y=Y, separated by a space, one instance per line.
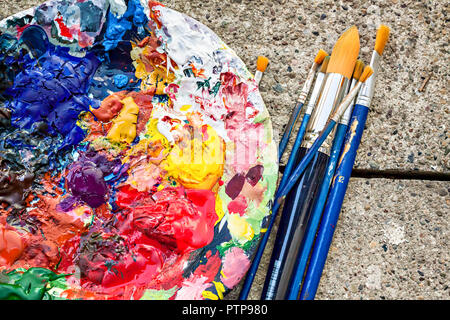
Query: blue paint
x=120 y=81
x=117 y=27
x=52 y=89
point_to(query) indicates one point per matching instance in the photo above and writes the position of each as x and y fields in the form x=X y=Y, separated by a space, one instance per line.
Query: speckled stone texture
x=392 y=239
x=391 y=242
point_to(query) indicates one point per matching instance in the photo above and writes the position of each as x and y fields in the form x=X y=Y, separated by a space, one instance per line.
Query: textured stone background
x=392 y=239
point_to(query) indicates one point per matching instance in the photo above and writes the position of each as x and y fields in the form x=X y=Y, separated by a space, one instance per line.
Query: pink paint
x=193 y=288
x=235 y=265
x=238 y=205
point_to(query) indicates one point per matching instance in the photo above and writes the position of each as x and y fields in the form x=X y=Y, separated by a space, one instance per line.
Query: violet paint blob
x=85 y=181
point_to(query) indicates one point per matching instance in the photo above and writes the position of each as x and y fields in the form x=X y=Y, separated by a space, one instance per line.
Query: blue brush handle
x=287 y=132
x=298 y=171
x=257 y=259
x=334 y=203
x=310 y=233
x=294 y=151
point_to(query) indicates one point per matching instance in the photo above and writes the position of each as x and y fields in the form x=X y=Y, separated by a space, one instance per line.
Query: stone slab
x=392 y=241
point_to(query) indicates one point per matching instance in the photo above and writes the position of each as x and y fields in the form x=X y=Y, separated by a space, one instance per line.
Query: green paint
x=32 y=284
x=151 y=294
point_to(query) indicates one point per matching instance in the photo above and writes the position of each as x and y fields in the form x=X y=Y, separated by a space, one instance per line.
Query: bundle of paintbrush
x=311 y=165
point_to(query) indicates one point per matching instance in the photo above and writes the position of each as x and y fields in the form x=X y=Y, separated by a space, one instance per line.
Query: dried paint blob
x=136 y=155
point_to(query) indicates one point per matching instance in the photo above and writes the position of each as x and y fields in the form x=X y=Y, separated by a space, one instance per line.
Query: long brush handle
x=243 y=295
x=298 y=142
x=310 y=233
x=288 y=130
x=334 y=203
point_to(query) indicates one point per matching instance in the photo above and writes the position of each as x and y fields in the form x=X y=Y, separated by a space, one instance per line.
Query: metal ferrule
x=345 y=103
x=334 y=89
x=258 y=76
x=308 y=83
x=318 y=85
x=368 y=88
x=345 y=119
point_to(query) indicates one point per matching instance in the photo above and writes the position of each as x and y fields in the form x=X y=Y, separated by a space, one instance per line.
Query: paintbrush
x=261 y=66
x=343 y=172
x=306 y=245
x=311 y=153
x=318 y=84
x=281 y=193
x=297 y=209
x=301 y=101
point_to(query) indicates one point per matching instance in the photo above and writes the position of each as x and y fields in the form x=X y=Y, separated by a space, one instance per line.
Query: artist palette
x=136 y=155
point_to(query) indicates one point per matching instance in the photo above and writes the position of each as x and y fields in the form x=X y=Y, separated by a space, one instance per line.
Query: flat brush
x=261 y=66
x=318 y=84
x=311 y=229
x=343 y=172
x=297 y=209
x=301 y=101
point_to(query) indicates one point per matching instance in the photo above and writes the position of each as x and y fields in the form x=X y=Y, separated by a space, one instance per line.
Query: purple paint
x=85 y=181
x=254 y=174
x=235 y=185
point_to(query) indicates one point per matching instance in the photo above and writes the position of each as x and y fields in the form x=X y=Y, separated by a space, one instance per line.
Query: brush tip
x=382 y=38
x=261 y=63
x=359 y=66
x=366 y=74
x=345 y=53
x=320 y=56
x=324 y=66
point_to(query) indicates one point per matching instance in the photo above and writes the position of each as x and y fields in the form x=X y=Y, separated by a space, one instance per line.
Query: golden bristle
x=345 y=53
x=382 y=38
x=366 y=74
x=324 y=66
x=320 y=56
x=261 y=63
x=359 y=66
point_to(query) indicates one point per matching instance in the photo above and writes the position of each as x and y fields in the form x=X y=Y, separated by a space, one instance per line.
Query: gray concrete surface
x=392 y=240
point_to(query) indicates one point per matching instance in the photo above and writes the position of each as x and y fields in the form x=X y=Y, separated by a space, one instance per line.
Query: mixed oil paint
x=136 y=155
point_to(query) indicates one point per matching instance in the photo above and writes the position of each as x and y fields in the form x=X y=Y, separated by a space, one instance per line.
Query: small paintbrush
x=343 y=172
x=261 y=66
x=301 y=101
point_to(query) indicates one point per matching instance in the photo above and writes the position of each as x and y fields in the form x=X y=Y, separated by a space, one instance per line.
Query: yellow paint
x=186 y=107
x=219 y=209
x=197 y=164
x=220 y=288
x=123 y=129
x=154 y=77
x=239 y=228
x=209 y=295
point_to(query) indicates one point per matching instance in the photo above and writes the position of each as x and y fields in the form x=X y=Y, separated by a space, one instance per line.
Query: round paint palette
x=136 y=155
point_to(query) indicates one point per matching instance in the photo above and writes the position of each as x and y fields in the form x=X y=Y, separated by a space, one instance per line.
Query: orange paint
x=11 y=246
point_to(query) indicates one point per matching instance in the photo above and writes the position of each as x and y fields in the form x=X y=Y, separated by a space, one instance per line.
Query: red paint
x=210 y=269
x=64 y=31
x=238 y=205
x=148 y=245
